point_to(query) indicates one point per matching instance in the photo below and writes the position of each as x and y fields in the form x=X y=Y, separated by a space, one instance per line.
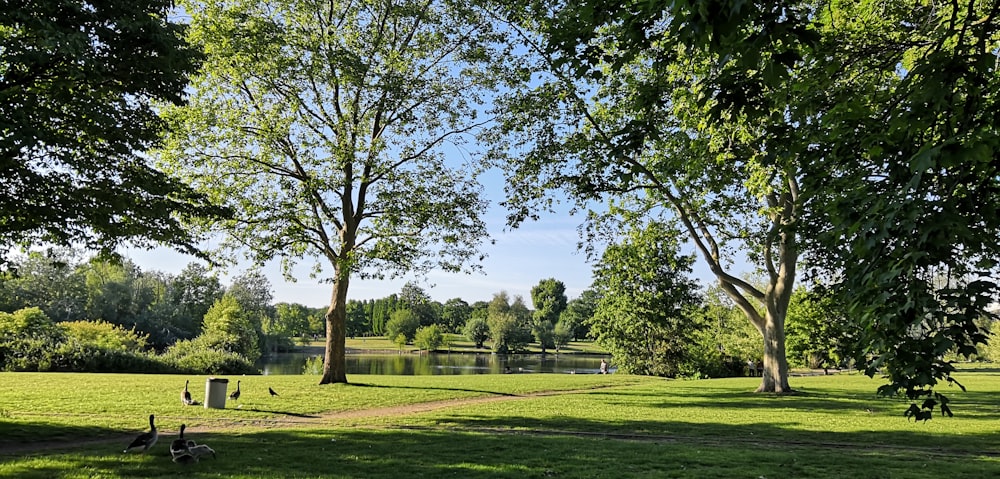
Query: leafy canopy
x=77 y=81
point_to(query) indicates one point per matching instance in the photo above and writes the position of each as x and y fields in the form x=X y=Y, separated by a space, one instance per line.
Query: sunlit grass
x=600 y=426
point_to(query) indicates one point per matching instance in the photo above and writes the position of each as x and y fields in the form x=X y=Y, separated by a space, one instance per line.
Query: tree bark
x=334 y=362
x=774 y=376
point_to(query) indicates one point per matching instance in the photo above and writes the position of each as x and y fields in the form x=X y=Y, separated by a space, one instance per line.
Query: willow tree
x=329 y=126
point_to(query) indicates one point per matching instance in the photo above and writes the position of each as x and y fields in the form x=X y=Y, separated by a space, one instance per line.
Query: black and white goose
x=180 y=445
x=236 y=394
x=146 y=439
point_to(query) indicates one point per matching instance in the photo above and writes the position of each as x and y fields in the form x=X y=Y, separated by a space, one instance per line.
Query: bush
x=79 y=356
x=313 y=366
x=104 y=335
x=27 y=340
x=198 y=356
x=25 y=354
x=29 y=322
x=428 y=338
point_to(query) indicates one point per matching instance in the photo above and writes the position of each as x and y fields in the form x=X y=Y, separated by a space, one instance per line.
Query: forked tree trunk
x=771 y=326
x=334 y=363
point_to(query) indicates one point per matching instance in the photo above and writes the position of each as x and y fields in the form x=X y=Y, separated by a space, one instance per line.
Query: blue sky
x=517 y=261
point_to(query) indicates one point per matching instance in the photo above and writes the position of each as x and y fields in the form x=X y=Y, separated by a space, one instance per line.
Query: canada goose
x=236 y=394
x=201 y=450
x=186 y=396
x=179 y=446
x=146 y=439
x=272 y=392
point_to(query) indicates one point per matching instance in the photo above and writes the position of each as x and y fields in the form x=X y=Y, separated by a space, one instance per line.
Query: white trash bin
x=215 y=393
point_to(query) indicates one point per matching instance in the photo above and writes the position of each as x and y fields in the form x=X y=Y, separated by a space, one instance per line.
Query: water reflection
x=410 y=364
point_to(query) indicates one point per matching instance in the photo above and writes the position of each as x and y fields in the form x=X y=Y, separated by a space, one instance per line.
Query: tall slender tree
x=335 y=130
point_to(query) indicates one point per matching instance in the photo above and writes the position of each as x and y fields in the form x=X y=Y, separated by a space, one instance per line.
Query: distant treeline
x=64 y=299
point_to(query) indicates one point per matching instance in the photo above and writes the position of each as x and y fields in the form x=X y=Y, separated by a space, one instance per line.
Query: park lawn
x=599 y=426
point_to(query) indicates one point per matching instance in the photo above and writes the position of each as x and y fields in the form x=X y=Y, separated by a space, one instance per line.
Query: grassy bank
x=496 y=426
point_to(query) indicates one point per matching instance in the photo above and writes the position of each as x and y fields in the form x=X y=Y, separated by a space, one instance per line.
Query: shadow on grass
x=272 y=411
x=16 y=434
x=981 y=404
x=425 y=388
x=375 y=454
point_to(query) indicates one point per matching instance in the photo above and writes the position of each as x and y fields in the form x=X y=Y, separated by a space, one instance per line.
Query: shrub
x=313 y=366
x=198 y=356
x=27 y=340
x=25 y=354
x=104 y=335
x=428 y=338
x=29 y=322
x=79 y=356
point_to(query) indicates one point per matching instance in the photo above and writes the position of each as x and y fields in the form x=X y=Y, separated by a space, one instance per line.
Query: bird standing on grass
x=186 y=396
x=272 y=392
x=146 y=439
x=179 y=446
x=236 y=394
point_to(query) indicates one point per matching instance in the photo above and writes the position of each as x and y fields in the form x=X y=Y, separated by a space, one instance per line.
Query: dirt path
x=332 y=418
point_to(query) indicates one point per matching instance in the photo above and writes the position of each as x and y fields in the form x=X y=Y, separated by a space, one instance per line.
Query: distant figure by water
x=604 y=366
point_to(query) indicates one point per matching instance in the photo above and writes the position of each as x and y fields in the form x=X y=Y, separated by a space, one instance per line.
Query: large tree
x=630 y=131
x=77 y=81
x=873 y=123
x=327 y=126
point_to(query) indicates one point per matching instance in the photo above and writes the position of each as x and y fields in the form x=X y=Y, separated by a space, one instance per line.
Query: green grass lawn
x=583 y=426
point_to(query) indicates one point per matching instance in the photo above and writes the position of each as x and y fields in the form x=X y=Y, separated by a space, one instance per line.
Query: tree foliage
x=647 y=296
x=577 y=314
x=819 y=333
x=625 y=124
x=549 y=299
x=403 y=322
x=872 y=123
x=454 y=315
x=477 y=330
x=77 y=84
x=428 y=338
x=228 y=327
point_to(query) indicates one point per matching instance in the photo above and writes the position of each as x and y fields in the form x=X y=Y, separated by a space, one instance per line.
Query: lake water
x=411 y=364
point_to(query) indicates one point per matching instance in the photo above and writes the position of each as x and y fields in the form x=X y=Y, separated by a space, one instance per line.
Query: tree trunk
x=334 y=363
x=774 y=376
